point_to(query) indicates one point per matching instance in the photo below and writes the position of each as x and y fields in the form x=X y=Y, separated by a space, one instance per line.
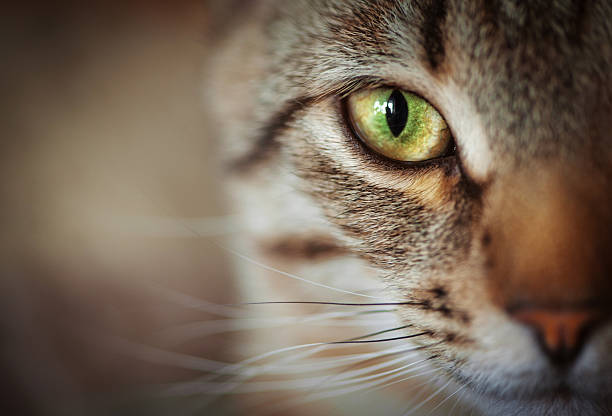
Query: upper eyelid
x=280 y=120
x=341 y=89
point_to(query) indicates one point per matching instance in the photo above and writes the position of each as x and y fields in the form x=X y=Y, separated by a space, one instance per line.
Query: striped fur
x=526 y=91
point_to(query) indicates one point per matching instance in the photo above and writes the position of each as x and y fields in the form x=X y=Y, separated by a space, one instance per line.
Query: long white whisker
x=446 y=399
x=191 y=302
x=245 y=373
x=325 y=363
x=157 y=226
x=426 y=400
x=352 y=380
x=369 y=369
x=234 y=368
x=433 y=370
x=293 y=276
x=321 y=346
x=317 y=364
x=366 y=386
x=459 y=399
x=192 y=330
x=284 y=385
x=290 y=275
x=338 y=392
x=350 y=376
x=330 y=363
x=159 y=356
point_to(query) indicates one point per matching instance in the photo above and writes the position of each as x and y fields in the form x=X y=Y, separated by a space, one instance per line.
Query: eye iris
x=398 y=124
x=397 y=112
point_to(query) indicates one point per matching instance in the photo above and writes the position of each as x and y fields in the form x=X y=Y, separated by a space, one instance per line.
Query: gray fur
x=535 y=76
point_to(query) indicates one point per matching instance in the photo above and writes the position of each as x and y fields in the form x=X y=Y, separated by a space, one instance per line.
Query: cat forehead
x=535 y=74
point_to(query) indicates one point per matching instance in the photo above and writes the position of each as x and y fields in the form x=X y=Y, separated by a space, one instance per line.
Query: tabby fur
x=522 y=213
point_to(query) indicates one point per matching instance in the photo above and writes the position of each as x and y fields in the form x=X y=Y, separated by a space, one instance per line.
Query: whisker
x=433 y=370
x=353 y=380
x=158 y=226
x=335 y=393
x=287 y=385
x=381 y=340
x=243 y=363
x=430 y=397
x=160 y=356
x=333 y=303
x=368 y=386
x=351 y=375
x=385 y=331
x=362 y=358
x=272 y=269
x=156 y=355
x=376 y=358
x=192 y=330
x=349 y=379
x=268 y=354
x=318 y=364
x=295 y=347
x=446 y=399
x=245 y=373
x=238 y=370
x=191 y=302
x=459 y=400
x=245 y=370
x=293 y=276
x=338 y=361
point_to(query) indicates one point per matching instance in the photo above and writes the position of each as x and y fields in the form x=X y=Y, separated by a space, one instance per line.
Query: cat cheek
x=434 y=189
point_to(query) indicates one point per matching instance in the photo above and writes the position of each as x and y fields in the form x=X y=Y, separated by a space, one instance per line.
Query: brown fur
x=519 y=216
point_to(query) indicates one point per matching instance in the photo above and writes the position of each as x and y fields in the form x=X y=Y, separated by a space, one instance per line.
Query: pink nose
x=561 y=332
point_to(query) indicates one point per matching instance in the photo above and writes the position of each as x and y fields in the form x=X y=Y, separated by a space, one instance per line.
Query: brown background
x=104 y=133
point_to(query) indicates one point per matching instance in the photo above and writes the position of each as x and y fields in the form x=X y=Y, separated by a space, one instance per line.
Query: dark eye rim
x=449 y=156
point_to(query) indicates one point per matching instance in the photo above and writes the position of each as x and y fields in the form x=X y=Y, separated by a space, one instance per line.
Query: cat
x=476 y=279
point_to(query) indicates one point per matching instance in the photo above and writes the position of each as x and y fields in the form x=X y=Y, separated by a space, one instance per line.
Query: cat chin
x=550 y=395
x=541 y=391
x=553 y=405
x=557 y=401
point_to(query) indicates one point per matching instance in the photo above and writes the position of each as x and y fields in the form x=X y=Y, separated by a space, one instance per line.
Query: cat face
x=500 y=250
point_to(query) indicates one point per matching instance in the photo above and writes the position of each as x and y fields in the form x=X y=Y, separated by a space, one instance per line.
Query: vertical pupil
x=397 y=112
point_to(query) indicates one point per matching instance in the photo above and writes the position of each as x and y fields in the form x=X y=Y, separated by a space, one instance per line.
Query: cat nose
x=561 y=333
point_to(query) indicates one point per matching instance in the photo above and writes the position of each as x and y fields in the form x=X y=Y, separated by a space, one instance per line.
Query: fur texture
x=521 y=214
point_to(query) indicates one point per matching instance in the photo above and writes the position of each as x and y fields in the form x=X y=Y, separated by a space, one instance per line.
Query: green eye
x=399 y=125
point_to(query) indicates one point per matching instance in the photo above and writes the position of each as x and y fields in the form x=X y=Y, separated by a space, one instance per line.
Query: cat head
x=501 y=248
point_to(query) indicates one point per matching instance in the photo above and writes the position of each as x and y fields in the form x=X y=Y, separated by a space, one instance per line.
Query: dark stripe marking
x=266 y=142
x=434 y=12
x=304 y=247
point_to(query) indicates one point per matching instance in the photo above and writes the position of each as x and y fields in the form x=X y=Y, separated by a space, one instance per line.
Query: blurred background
x=104 y=147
